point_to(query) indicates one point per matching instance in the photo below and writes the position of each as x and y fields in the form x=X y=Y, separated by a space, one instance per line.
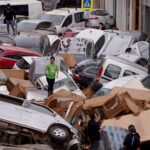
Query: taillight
x=99 y=74
x=76 y=77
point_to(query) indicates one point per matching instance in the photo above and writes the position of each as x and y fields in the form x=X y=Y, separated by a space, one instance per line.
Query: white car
x=125 y=82
x=98 y=37
x=37 y=68
x=80 y=47
x=100 y=16
x=135 y=58
x=140 y=48
x=35 y=24
x=64 y=81
x=65 y=18
x=33 y=123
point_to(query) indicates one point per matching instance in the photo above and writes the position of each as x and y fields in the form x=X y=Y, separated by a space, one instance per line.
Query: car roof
x=126 y=62
x=64 y=11
x=91 y=33
x=35 y=21
x=17 y=49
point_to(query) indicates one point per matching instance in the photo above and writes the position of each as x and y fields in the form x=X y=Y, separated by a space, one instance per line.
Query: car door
x=79 y=20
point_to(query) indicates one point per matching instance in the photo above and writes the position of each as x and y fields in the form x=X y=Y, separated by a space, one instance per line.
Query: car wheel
x=59 y=133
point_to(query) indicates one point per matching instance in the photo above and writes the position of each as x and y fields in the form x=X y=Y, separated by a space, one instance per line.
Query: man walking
x=51 y=72
x=9 y=18
x=132 y=139
x=94 y=133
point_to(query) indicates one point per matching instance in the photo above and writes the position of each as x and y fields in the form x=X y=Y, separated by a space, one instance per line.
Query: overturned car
x=25 y=122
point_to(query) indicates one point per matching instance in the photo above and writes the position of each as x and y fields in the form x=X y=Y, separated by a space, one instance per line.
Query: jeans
x=95 y=145
x=50 y=85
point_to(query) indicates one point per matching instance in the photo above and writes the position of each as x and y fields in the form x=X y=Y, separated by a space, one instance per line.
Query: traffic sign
x=87 y=4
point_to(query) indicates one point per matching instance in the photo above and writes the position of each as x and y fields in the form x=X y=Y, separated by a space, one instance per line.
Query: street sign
x=87 y=4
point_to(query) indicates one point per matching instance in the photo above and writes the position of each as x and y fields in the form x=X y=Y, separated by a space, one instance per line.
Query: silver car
x=25 y=122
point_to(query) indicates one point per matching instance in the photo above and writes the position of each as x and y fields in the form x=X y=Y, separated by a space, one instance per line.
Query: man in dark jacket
x=9 y=17
x=94 y=133
x=132 y=139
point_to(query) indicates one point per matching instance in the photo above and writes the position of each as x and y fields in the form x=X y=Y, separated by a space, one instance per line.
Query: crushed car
x=25 y=122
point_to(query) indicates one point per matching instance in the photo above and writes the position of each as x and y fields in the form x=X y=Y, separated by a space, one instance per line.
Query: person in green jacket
x=51 y=72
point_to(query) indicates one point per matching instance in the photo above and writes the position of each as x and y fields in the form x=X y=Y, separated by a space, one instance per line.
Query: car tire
x=59 y=134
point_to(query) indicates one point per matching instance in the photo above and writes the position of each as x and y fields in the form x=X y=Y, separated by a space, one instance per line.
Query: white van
x=112 y=67
x=65 y=18
x=22 y=7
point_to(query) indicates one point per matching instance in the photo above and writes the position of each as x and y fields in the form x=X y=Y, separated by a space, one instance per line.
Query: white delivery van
x=22 y=7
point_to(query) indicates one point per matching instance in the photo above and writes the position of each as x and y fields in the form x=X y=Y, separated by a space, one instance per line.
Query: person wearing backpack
x=132 y=139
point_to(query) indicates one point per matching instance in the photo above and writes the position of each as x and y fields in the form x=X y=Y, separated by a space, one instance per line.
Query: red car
x=9 y=55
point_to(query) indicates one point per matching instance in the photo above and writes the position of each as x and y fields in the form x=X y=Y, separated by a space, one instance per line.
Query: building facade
x=146 y=16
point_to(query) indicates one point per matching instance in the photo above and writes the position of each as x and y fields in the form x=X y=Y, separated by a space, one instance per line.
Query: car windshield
x=71 y=86
x=41 y=109
x=66 y=82
x=56 y=19
x=102 y=92
x=22 y=64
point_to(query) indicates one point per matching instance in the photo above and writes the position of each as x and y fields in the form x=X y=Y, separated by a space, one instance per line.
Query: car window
x=128 y=73
x=41 y=109
x=44 y=25
x=112 y=71
x=55 y=19
x=146 y=82
x=63 y=67
x=68 y=21
x=79 y=17
x=15 y=56
x=92 y=71
x=142 y=62
x=144 y=49
x=102 y=92
x=89 y=50
x=99 y=44
x=22 y=64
